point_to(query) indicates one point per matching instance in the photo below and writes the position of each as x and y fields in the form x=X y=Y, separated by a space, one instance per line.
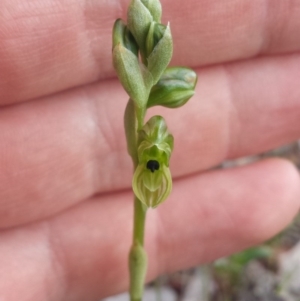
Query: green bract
x=156 y=32
x=161 y=55
x=122 y=35
x=135 y=77
x=154 y=8
x=175 y=87
x=139 y=20
x=152 y=181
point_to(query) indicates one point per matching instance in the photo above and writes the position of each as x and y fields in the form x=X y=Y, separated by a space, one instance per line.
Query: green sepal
x=139 y=20
x=161 y=56
x=175 y=87
x=154 y=8
x=155 y=141
x=161 y=152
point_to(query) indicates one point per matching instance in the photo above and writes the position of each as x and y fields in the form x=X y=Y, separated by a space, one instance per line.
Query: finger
x=51 y=46
x=63 y=149
x=82 y=254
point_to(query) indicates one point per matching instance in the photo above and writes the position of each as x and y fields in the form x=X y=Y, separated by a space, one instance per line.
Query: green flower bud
x=155 y=34
x=175 y=87
x=154 y=8
x=152 y=181
x=139 y=20
x=161 y=55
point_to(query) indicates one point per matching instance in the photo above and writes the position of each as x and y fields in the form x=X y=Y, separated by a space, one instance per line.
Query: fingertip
x=275 y=199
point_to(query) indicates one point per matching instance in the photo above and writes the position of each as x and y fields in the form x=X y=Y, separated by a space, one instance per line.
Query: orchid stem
x=139 y=221
x=137 y=255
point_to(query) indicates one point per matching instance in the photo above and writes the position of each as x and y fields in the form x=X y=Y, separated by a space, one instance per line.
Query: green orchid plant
x=142 y=50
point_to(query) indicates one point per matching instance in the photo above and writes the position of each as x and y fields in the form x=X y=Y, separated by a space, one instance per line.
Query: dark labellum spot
x=153 y=165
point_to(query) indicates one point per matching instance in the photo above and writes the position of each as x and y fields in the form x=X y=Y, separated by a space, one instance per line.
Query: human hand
x=65 y=176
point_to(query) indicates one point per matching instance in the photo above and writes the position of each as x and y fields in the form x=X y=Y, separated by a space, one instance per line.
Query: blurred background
x=268 y=272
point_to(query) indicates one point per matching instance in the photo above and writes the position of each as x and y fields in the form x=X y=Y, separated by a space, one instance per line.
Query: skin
x=65 y=197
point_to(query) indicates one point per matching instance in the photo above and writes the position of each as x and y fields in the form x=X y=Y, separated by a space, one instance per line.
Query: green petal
x=152 y=188
x=152 y=180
